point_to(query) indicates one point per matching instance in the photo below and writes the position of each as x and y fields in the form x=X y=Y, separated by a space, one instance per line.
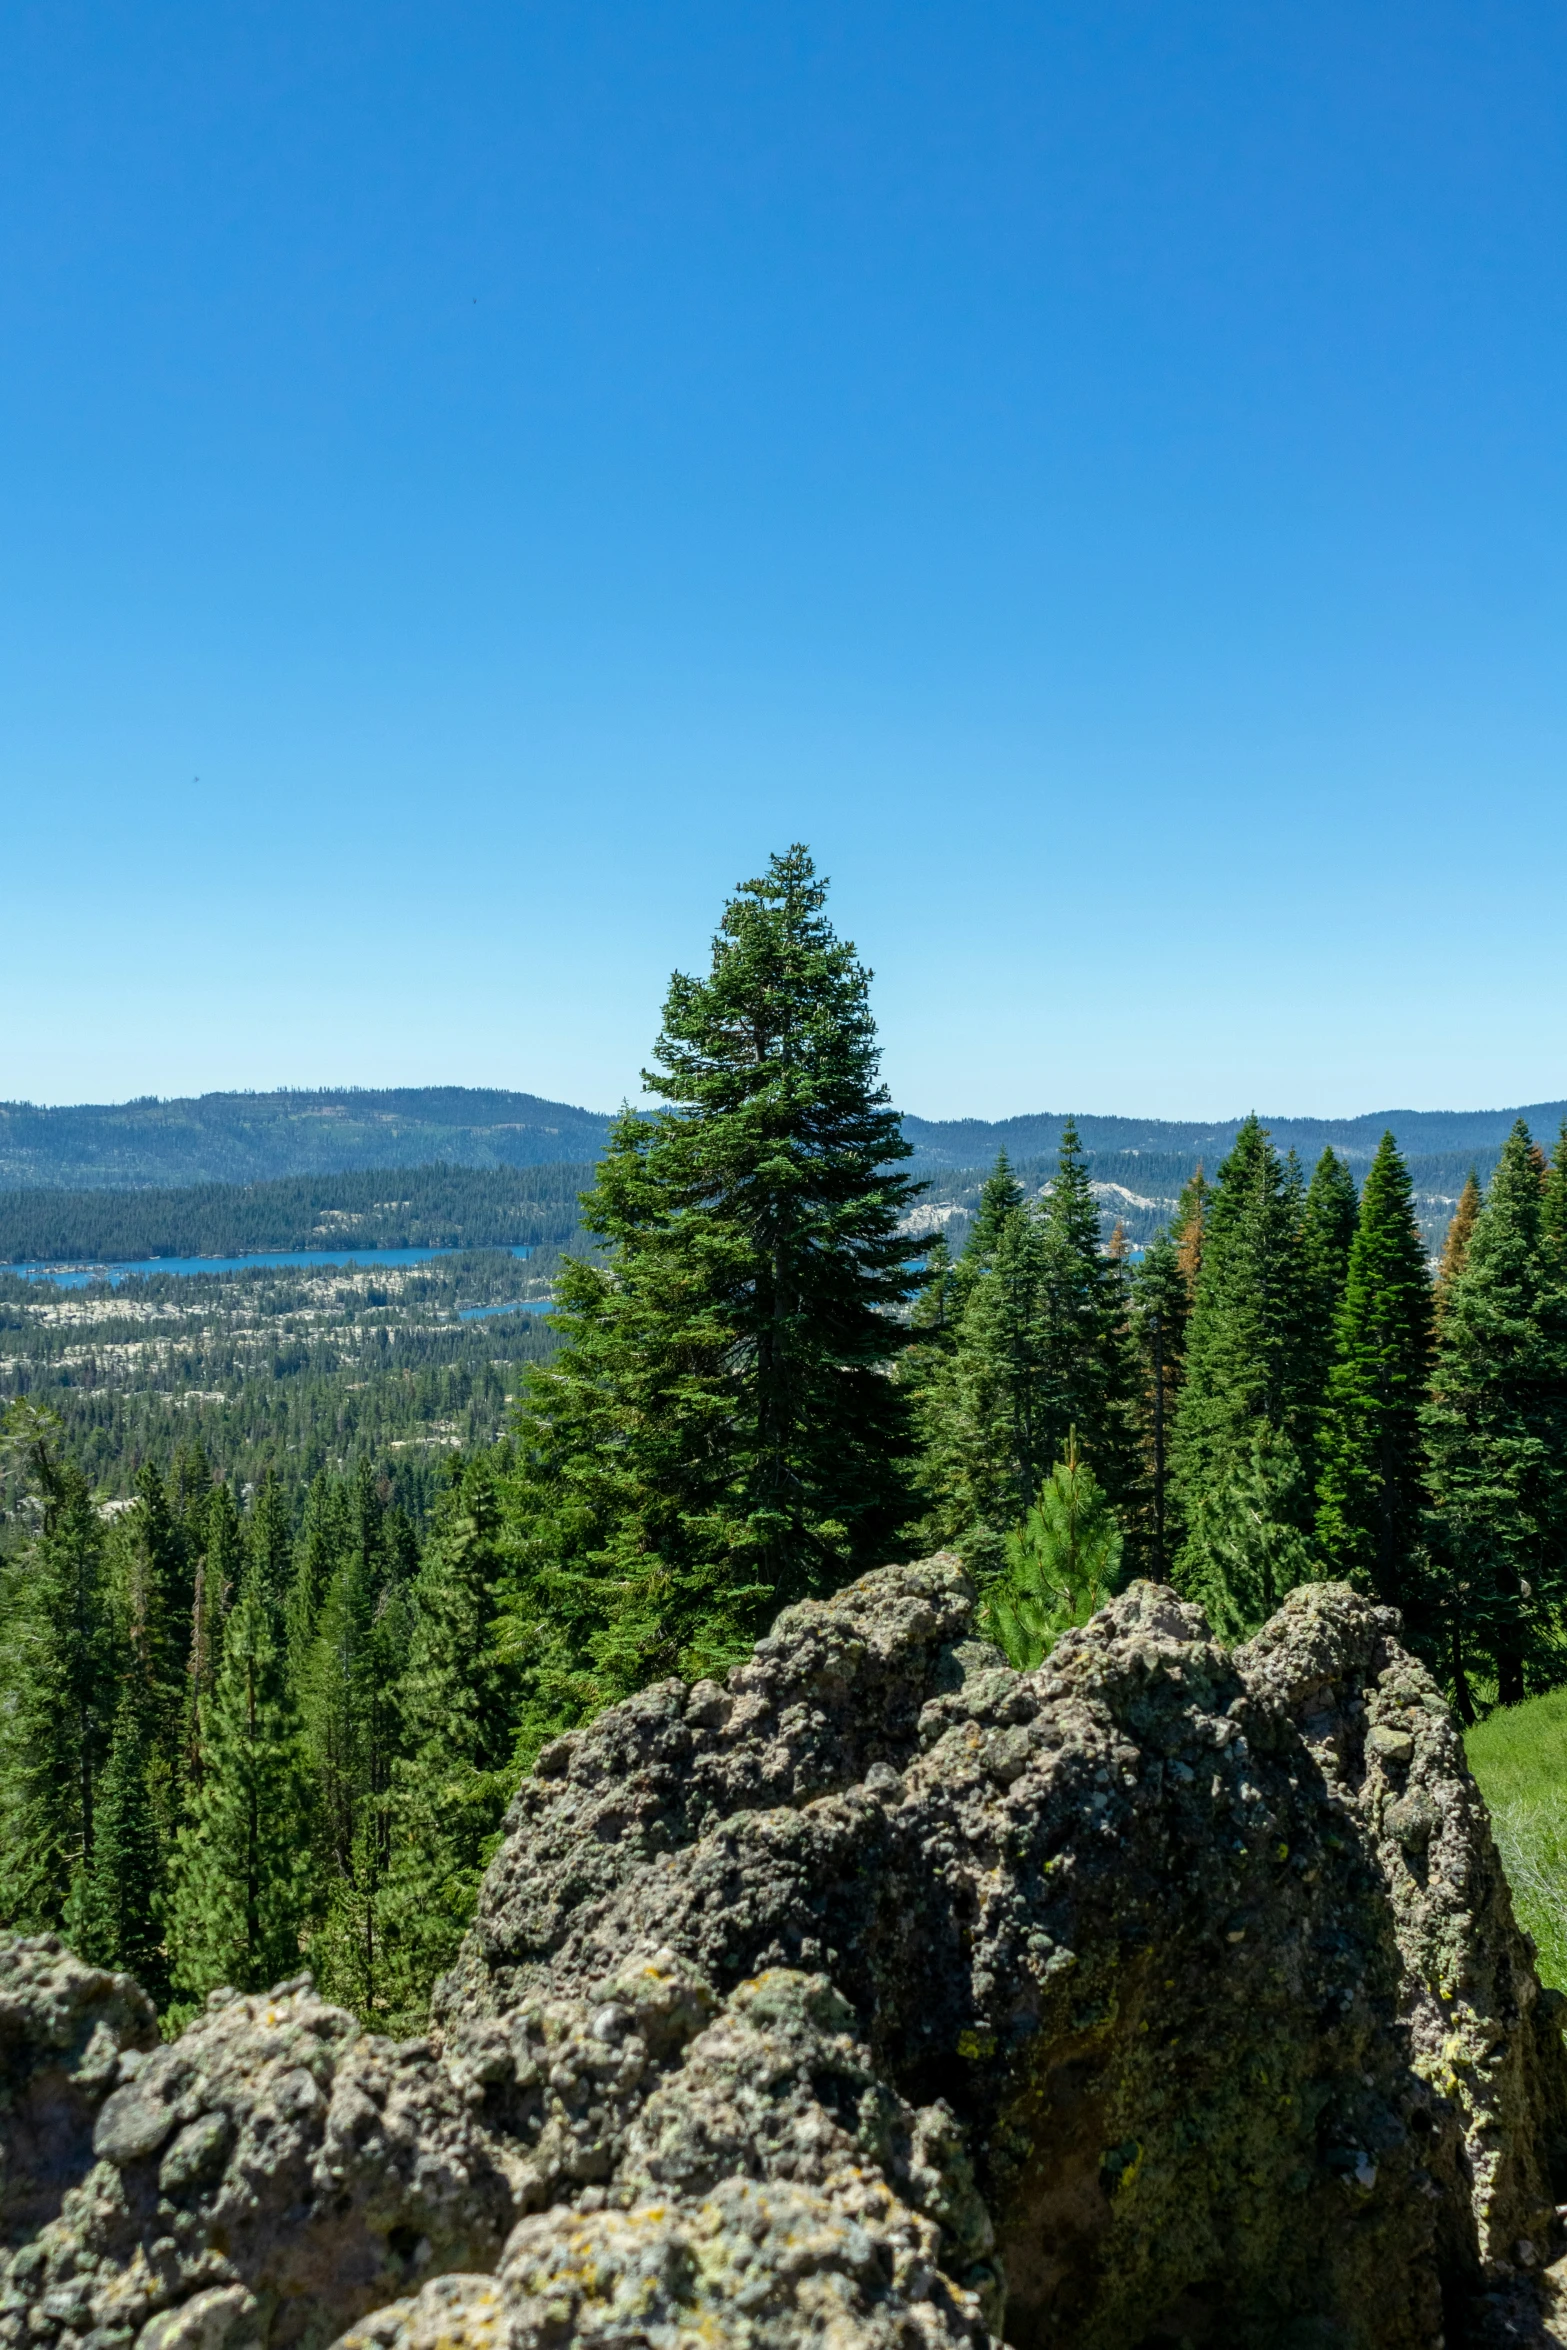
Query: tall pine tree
x=719 y=1434
x=1455 y=1248
x=1161 y=1306
x=1042 y=1347
x=241 y=1874
x=1371 y=1484
x=117 y=1911
x=1086 y=1349
x=1327 y=1234
x=352 y=1739
x=156 y=1588
x=459 y=1702
x=984 y=1415
x=1249 y=1404
x=59 y=1675
x=1496 y=1430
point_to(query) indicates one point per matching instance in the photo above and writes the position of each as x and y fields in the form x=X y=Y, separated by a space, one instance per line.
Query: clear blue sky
x=473 y=478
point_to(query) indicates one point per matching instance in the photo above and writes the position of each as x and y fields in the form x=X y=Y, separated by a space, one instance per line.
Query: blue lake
x=77 y=1276
x=518 y=1305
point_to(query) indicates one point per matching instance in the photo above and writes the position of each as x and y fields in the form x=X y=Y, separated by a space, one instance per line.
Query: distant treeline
x=1138 y=1189
x=397 y=1207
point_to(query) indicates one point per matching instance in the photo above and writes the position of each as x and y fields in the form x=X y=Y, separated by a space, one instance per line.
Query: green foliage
x=1062 y=1564
x=1245 y=1549
x=986 y=1447
x=1327 y=1233
x=1041 y=1346
x=352 y=1718
x=1252 y=1367
x=155 y=1587
x=459 y=1702
x=1496 y=1432
x=719 y=1435
x=1000 y=1203
x=58 y=1672
x=241 y=1873
x=1519 y=1756
x=1371 y=1489
x=116 y=1912
x=1161 y=1308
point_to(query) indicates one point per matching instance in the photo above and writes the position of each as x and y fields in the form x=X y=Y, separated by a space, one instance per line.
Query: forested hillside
x=300 y=1570
x=251 y=1137
x=398 y=1207
x=1451 y=1134
x=289 y=1369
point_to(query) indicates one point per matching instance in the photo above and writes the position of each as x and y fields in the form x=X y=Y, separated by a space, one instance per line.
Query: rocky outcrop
x=883 y=1995
x=260 y=2180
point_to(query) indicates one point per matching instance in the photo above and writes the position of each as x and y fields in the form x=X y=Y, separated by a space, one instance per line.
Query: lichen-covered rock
x=263 y=2178
x=63 y=2030
x=829 y=1698
x=885 y=1995
x=767 y=2266
x=1209 y=1954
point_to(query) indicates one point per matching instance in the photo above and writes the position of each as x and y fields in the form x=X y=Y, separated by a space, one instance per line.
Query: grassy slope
x=1519 y=1756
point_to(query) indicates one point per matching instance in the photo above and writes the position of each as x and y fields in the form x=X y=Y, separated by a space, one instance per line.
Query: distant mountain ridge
x=256 y=1137
x=973 y=1142
x=259 y=1137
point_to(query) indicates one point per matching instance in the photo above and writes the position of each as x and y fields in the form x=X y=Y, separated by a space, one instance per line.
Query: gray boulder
x=883 y=1995
x=260 y=2180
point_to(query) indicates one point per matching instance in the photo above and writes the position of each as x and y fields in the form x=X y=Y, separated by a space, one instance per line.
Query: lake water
x=77 y=1276
x=518 y=1305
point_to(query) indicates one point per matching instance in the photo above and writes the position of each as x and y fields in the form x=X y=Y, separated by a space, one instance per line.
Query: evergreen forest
x=269 y=1676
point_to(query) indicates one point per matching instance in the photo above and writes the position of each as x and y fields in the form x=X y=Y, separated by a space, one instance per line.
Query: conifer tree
x=1043 y=1347
x=984 y=1416
x=999 y=1201
x=1085 y=1345
x=1245 y=1550
x=1250 y=1366
x=325 y=1539
x=116 y=1916
x=1455 y=1247
x=156 y=1593
x=217 y=1574
x=271 y=1536
x=1553 y=1205
x=1062 y=1563
x=1161 y=1304
x=1327 y=1236
x=241 y=1875
x=719 y=1435
x=58 y=1678
x=1496 y=1430
x=459 y=1702
x=1189 y=1227
x=1371 y=1485
x=352 y=1737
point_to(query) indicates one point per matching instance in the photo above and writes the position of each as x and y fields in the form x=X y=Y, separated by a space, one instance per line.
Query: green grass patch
x=1519 y=1756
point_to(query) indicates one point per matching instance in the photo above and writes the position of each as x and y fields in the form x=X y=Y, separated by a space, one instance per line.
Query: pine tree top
x=1188 y=1226
x=1460 y=1231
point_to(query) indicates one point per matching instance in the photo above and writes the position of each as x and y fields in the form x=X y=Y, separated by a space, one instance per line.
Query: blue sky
x=475 y=478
